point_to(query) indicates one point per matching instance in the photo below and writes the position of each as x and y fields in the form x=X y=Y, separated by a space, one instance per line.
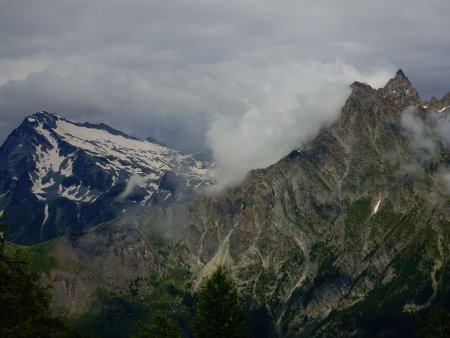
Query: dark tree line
x=218 y=314
x=24 y=303
x=436 y=324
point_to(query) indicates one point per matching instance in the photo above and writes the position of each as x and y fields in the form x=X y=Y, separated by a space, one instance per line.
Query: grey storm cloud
x=245 y=81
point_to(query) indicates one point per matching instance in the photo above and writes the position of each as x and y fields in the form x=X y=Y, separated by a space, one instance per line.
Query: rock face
x=57 y=175
x=344 y=236
x=352 y=222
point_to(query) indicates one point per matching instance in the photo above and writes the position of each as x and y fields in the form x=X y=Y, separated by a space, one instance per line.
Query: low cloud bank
x=247 y=113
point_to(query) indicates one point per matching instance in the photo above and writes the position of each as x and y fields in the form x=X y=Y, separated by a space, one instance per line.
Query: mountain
x=348 y=235
x=57 y=176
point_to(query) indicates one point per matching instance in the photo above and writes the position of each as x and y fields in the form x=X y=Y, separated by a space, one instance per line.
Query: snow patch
x=126 y=150
x=45 y=214
x=68 y=168
x=132 y=155
x=43 y=222
x=442 y=109
x=375 y=209
x=48 y=160
x=146 y=198
x=167 y=196
x=77 y=193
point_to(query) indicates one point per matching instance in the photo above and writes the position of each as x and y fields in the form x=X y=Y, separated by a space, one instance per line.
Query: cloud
x=429 y=133
x=429 y=136
x=133 y=182
x=420 y=133
x=444 y=179
x=440 y=192
x=242 y=80
x=285 y=105
x=442 y=126
x=412 y=169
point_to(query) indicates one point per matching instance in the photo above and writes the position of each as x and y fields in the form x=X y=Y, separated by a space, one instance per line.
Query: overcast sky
x=247 y=80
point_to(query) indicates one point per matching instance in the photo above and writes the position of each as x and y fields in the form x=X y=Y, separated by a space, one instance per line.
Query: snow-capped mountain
x=57 y=175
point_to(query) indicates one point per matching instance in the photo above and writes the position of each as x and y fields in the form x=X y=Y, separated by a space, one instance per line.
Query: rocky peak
x=445 y=101
x=400 y=74
x=446 y=98
x=369 y=119
x=401 y=91
x=42 y=117
x=361 y=86
x=439 y=105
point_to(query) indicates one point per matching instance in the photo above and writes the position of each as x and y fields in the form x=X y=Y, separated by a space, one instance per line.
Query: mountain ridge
x=51 y=166
x=335 y=239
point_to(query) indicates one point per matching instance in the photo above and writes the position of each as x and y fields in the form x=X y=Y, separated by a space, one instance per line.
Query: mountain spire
x=400 y=74
x=401 y=91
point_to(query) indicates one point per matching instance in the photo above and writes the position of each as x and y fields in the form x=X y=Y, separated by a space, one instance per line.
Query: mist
x=429 y=136
x=420 y=132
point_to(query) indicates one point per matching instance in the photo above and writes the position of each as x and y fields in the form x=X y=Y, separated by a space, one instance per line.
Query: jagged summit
x=399 y=82
x=438 y=105
x=400 y=73
x=398 y=86
x=379 y=105
x=360 y=85
x=401 y=91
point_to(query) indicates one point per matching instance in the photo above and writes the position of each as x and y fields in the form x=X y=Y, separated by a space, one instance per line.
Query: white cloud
x=286 y=103
x=429 y=136
x=133 y=182
x=444 y=178
x=420 y=134
x=442 y=126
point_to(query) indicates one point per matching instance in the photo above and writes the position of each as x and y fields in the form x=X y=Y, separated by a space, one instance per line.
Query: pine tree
x=437 y=324
x=160 y=326
x=219 y=313
x=24 y=302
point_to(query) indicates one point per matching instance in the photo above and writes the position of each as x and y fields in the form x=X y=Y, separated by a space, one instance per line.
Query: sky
x=245 y=81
